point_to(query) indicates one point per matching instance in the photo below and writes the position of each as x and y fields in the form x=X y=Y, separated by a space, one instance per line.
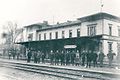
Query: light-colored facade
x=101 y=28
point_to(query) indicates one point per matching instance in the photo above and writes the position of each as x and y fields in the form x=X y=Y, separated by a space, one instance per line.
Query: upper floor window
x=30 y=37
x=63 y=34
x=44 y=36
x=110 y=29
x=70 y=33
x=39 y=36
x=118 y=30
x=30 y=28
x=78 y=32
x=56 y=35
x=50 y=35
x=109 y=46
x=91 y=30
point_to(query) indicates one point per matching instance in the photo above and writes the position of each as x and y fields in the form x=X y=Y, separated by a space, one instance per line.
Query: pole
x=102 y=22
x=101 y=5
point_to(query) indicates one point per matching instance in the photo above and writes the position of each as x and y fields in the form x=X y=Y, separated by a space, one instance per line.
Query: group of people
x=86 y=58
x=37 y=56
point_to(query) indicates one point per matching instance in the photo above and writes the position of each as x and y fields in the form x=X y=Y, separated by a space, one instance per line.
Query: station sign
x=70 y=46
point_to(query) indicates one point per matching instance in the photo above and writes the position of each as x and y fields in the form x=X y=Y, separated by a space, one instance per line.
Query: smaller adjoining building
x=97 y=32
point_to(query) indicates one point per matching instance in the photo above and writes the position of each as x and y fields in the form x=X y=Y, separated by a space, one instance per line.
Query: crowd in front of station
x=85 y=58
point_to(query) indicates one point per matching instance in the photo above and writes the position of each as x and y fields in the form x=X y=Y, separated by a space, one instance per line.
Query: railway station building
x=97 y=32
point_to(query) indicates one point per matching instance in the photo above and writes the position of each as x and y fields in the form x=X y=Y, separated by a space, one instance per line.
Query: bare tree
x=10 y=34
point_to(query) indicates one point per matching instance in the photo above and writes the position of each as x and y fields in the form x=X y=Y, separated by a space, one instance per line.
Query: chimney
x=69 y=21
x=45 y=22
x=58 y=23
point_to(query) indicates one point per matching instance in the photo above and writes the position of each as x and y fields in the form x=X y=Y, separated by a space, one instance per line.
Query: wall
x=114 y=27
x=84 y=27
x=59 y=30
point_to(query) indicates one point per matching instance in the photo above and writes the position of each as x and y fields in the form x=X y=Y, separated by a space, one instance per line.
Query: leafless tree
x=11 y=32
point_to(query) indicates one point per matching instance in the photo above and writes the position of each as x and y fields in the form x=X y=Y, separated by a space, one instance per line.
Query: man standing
x=95 y=56
x=72 y=57
x=29 y=55
x=39 y=56
x=110 y=56
x=83 y=56
x=101 y=58
x=35 y=56
x=62 y=57
x=51 y=57
x=77 y=58
x=89 y=58
x=67 y=58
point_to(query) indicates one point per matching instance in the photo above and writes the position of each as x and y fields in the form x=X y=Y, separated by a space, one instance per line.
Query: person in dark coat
x=101 y=58
x=89 y=59
x=29 y=55
x=38 y=56
x=67 y=58
x=110 y=56
x=9 y=54
x=83 y=57
x=94 y=58
x=57 y=57
x=62 y=57
x=77 y=58
x=72 y=57
x=51 y=57
x=35 y=56
x=43 y=57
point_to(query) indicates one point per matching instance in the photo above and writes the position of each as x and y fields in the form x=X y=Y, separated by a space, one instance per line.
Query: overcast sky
x=26 y=12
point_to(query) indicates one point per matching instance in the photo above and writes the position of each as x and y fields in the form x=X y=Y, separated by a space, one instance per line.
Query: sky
x=26 y=12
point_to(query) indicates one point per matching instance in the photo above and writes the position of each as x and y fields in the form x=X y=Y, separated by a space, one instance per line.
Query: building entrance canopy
x=63 y=44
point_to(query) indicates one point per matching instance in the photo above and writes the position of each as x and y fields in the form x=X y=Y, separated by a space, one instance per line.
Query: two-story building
x=99 y=32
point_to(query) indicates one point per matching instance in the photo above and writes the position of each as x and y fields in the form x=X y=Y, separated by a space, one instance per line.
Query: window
x=78 y=32
x=50 y=36
x=109 y=46
x=30 y=28
x=70 y=33
x=118 y=30
x=118 y=49
x=91 y=30
x=30 y=37
x=63 y=34
x=56 y=35
x=110 y=29
x=39 y=36
x=44 y=36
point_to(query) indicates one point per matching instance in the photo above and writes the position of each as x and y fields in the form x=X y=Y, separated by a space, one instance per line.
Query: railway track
x=68 y=73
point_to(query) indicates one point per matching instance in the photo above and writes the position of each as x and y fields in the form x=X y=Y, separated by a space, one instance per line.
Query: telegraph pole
x=101 y=11
x=102 y=23
x=101 y=6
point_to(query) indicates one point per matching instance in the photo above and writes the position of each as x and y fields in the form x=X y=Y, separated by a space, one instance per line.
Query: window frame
x=91 y=30
x=70 y=33
x=39 y=36
x=50 y=35
x=63 y=34
x=78 y=32
x=110 y=29
x=56 y=35
x=44 y=36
